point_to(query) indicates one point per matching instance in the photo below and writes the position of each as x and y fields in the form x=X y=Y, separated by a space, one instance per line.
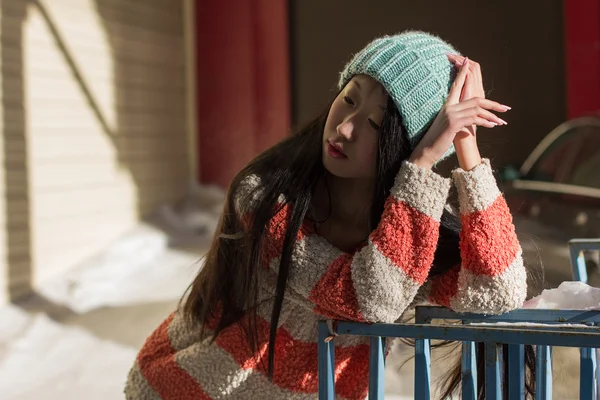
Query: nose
x=346 y=130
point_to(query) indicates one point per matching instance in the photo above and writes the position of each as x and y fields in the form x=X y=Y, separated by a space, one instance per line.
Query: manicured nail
x=507 y=107
x=465 y=61
x=493 y=124
x=503 y=121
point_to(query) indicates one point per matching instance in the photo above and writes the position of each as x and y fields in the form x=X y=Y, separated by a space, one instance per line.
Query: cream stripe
x=221 y=377
x=241 y=200
x=301 y=322
x=422 y=189
x=310 y=260
x=181 y=335
x=384 y=290
x=137 y=388
x=477 y=189
x=491 y=294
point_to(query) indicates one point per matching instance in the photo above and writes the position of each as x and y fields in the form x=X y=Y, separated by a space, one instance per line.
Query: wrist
x=467 y=153
x=420 y=159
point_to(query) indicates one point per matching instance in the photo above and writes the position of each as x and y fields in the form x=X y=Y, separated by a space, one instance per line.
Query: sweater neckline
x=307 y=228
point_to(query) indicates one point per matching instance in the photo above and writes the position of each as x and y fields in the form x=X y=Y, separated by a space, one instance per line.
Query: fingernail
x=465 y=61
x=507 y=107
x=493 y=124
x=503 y=121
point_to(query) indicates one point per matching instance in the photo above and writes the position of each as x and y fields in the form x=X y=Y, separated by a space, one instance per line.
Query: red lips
x=335 y=150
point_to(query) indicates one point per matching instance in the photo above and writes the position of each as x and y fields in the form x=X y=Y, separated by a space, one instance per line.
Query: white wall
x=95 y=127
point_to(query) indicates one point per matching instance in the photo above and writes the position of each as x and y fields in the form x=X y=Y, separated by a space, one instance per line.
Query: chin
x=339 y=171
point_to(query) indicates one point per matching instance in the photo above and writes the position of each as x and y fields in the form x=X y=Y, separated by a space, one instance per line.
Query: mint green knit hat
x=413 y=68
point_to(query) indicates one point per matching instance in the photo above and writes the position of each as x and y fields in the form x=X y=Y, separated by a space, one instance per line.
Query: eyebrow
x=358 y=86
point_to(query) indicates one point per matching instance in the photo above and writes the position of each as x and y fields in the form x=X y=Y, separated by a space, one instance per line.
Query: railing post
x=469 y=370
x=543 y=378
x=493 y=371
x=422 y=363
x=576 y=249
x=516 y=371
x=578 y=264
x=597 y=373
x=587 y=379
x=377 y=368
x=326 y=350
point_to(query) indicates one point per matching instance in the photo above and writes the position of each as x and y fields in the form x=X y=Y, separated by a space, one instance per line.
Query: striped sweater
x=377 y=282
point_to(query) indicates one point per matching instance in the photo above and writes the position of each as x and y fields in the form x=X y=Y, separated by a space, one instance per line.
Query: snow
x=147 y=264
x=570 y=295
x=41 y=359
x=155 y=262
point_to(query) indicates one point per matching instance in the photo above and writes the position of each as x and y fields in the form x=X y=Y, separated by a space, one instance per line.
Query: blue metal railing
x=589 y=357
x=544 y=328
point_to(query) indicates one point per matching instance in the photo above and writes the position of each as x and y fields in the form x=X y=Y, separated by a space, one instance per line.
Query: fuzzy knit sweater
x=377 y=282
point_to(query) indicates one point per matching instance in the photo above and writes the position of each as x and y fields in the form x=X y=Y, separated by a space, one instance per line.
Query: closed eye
x=374 y=125
x=348 y=100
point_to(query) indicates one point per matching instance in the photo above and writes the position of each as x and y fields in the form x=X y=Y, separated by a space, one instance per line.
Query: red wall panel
x=243 y=83
x=582 y=56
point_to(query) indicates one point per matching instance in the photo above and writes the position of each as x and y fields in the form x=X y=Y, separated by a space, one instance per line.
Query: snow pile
x=568 y=296
x=145 y=265
x=195 y=219
x=136 y=268
x=40 y=358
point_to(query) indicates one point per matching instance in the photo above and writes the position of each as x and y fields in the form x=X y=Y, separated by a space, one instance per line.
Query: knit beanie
x=413 y=68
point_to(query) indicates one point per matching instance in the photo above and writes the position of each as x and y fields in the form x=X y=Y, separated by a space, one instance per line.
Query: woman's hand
x=457 y=120
x=465 y=141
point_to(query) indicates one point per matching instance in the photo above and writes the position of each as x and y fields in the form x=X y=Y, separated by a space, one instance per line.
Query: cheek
x=334 y=117
x=369 y=153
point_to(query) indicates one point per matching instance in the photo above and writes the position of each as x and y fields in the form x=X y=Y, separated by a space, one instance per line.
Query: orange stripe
x=488 y=241
x=408 y=238
x=157 y=364
x=334 y=294
x=276 y=229
x=296 y=362
x=444 y=287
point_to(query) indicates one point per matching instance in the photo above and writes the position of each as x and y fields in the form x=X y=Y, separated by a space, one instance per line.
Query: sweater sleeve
x=379 y=281
x=492 y=278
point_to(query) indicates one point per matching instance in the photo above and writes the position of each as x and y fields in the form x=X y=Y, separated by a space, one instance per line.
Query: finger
x=481 y=102
x=473 y=66
x=481 y=112
x=477 y=78
x=468 y=89
x=467 y=122
x=458 y=60
x=459 y=82
x=455 y=57
x=480 y=88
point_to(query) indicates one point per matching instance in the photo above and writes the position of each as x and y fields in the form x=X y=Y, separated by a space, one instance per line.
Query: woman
x=345 y=220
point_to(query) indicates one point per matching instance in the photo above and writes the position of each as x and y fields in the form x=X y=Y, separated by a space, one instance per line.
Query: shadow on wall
x=16 y=184
x=149 y=72
x=149 y=129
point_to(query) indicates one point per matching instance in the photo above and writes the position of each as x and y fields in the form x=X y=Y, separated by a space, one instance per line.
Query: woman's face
x=351 y=135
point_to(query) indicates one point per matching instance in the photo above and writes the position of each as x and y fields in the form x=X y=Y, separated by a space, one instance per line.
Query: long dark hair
x=225 y=292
